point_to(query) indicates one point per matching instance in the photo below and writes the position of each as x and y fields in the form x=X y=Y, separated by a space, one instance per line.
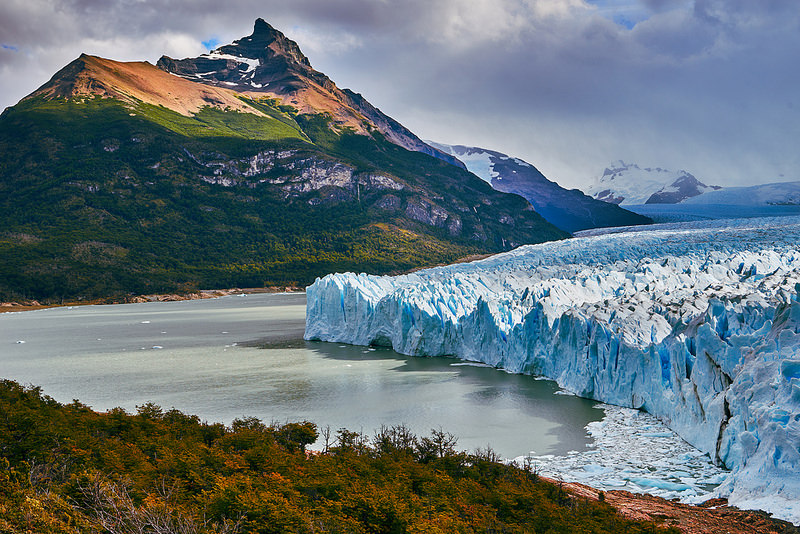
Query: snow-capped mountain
x=696 y=323
x=568 y=209
x=775 y=194
x=627 y=184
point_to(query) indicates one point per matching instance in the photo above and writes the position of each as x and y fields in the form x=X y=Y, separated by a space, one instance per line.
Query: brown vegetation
x=138 y=81
x=65 y=468
x=712 y=517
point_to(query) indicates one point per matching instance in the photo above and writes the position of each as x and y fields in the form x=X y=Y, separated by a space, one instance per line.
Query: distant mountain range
x=627 y=184
x=665 y=196
x=240 y=167
x=569 y=209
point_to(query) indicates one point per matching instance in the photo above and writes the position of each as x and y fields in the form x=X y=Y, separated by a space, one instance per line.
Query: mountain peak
x=269 y=63
x=629 y=184
x=262 y=26
x=265 y=60
x=265 y=44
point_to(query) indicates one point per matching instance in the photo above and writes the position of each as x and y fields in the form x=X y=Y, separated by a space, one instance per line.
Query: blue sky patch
x=9 y=47
x=625 y=13
x=211 y=43
x=624 y=21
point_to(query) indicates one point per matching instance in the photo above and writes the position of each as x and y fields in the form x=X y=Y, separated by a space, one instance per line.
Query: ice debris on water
x=696 y=323
x=634 y=451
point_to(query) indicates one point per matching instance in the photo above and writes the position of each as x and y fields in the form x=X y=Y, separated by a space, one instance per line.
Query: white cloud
x=315 y=42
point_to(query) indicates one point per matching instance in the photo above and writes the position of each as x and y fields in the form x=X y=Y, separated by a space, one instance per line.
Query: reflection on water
x=244 y=356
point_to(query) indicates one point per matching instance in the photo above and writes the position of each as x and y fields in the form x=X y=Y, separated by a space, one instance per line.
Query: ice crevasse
x=695 y=323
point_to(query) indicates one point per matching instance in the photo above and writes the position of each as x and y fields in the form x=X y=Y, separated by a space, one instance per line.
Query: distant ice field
x=684 y=212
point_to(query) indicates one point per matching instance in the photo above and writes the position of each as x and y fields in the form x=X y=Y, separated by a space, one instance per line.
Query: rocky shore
x=712 y=517
x=28 y=305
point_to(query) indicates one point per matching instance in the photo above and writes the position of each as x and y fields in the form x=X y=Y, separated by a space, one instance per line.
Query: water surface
x=244 y=356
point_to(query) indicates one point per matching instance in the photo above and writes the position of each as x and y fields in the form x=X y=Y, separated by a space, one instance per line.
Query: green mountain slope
x=105 y=194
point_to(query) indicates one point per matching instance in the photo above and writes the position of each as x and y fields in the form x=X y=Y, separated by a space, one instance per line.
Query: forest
x=99 y=200
x=65 y=468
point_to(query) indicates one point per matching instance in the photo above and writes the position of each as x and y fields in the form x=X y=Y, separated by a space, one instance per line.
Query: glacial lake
x=244 y=356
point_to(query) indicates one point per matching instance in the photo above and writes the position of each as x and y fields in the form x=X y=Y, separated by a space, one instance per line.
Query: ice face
x=695 y=323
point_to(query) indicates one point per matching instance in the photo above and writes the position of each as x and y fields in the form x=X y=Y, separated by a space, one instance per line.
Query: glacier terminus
x=695 y=323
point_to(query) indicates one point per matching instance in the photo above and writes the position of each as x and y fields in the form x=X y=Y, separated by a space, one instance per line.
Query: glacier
x=695 y=323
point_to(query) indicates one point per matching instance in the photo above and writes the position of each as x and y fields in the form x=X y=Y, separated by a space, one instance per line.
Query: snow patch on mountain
x=252 y=64
x=478 y=161
x=696 y=323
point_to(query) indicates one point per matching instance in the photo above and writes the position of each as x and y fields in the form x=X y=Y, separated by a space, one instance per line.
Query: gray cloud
x=707 y=85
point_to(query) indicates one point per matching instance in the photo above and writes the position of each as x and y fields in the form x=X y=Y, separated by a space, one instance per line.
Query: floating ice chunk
x=660 y=484
x=596 y=469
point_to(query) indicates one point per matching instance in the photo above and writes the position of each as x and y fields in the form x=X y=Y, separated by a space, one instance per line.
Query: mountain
x=775 y=194
x=268 y=63
x=627 y=184
x=568 y=209
x=120 y=178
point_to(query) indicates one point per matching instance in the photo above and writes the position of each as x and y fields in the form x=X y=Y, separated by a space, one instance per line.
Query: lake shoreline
x=30 y=305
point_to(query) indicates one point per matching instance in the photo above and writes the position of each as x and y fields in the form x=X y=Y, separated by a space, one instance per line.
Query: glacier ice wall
x=695 y=323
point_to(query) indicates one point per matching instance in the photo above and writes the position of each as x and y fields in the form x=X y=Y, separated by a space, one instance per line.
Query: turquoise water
x=244 y=356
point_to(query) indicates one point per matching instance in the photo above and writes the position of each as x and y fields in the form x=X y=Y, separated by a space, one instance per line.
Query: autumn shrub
x=66 y=468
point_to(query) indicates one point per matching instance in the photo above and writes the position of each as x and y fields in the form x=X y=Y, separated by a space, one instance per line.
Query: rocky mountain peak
x=264 y=61
x=267 y=62
x=262 y=26
x=265 y=43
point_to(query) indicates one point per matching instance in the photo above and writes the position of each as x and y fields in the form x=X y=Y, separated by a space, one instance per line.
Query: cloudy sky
x=709 y=86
